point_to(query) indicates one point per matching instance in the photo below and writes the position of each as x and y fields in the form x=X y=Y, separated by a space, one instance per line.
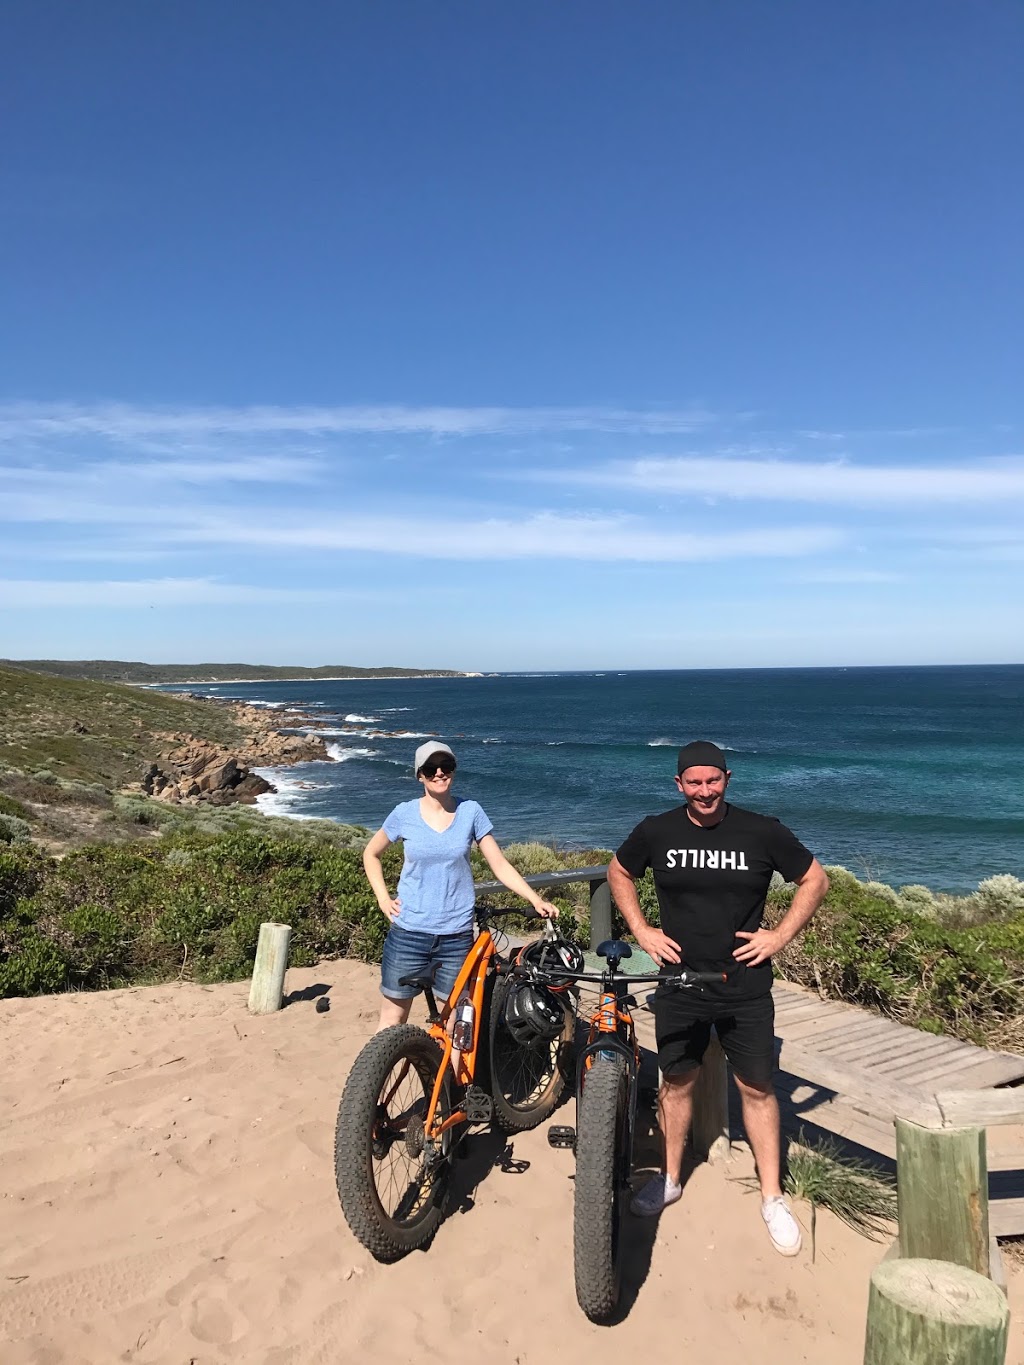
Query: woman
x=432 y=914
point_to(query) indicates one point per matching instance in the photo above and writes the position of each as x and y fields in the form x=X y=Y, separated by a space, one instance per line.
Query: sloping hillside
x=95 y=731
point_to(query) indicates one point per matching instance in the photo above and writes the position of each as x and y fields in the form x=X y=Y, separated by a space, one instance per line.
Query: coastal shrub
x=22 y=873
x=873 y=953
x=31 y=964
x=918 y=900
x=1001 y=897
x=190 y=904
x=882 y=891
x=98 y=948
x=14 y=830
x=8 y=806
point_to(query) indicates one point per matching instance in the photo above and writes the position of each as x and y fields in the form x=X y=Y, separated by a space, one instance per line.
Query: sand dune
x=167 y=1196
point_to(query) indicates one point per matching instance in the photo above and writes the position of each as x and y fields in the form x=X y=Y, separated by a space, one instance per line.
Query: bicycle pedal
x=478 y=1105
x=562 y=1135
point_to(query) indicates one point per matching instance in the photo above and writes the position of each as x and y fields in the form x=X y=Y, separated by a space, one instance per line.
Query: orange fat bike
x=497 y=1051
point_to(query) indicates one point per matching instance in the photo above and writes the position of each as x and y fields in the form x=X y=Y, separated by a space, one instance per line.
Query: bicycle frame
x=472 y=977
x=612 y=1030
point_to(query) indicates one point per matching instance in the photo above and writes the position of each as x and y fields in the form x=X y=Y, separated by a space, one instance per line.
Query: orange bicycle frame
x=472 y=977
x=609 y=1018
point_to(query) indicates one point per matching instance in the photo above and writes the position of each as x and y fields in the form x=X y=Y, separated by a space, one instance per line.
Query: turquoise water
x=903 y=774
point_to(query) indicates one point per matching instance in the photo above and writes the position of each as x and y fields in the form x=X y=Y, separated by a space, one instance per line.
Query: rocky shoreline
x=193 y=771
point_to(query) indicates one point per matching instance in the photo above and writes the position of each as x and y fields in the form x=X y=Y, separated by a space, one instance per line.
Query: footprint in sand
x=212 y=1320
x=318 y=1137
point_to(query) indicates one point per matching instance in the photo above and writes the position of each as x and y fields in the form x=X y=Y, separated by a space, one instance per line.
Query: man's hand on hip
x=658 y=945
x=759 y=947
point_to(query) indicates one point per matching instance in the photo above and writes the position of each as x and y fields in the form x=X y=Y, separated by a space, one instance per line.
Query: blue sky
x=518 y=336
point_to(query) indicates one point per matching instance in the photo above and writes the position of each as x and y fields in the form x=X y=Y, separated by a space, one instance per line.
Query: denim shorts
x=408 y=952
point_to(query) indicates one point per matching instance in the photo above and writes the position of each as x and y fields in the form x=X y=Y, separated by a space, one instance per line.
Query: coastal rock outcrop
x=191 y=770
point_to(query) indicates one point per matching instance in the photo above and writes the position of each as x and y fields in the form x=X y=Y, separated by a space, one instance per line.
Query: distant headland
x=120 y=671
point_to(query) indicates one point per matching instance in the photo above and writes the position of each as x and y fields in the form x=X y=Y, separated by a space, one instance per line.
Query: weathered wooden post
x=269 y=968
x=600 y=913
x=942 y=1185
x=921 y=1312
x=711 y=1106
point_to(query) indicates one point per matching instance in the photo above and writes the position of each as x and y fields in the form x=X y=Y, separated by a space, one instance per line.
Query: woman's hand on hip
x=392 y=909
x=546 y=910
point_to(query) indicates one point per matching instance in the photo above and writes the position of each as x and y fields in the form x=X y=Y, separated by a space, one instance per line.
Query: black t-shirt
x=713 y=882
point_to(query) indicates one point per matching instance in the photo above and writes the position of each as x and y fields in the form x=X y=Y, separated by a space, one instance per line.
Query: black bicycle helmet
x=554 y=954
x=534 y=1012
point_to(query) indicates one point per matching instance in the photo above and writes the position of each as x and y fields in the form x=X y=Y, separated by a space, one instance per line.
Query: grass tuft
x=861 y=1195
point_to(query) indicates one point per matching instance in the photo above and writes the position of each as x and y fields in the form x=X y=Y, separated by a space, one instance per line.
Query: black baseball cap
x=701 y=754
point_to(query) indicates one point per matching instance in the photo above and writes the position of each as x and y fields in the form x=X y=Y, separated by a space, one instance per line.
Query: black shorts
x=745 y=1028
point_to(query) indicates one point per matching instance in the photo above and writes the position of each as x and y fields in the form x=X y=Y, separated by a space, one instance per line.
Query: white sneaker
x=782 y=1227
x=657 y=1194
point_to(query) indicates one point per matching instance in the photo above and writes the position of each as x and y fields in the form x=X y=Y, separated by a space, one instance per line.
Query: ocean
x=900 y=774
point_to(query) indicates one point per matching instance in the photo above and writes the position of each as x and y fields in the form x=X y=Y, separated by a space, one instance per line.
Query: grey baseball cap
x=425 y=751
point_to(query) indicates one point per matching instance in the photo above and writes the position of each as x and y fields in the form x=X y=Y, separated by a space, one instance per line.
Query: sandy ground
x=167 y=1198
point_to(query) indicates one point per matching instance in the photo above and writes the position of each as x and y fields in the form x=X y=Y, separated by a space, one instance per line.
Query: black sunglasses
x=432 y=769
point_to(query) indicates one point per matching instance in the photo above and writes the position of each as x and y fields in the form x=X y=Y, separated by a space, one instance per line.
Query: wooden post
x=942 y=1185
x=711 y=1106
x=600 y=913
x=269 y=968
x=921 y=1312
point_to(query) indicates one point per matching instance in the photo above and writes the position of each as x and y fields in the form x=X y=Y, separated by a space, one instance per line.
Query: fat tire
x=384 y=1237
x=597 y=1199
x=509 y=1115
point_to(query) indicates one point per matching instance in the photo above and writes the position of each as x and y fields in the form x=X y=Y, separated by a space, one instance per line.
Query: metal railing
x=600 y=895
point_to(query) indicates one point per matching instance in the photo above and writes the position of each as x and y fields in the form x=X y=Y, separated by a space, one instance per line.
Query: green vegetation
x=185 y=897
x=119 y=671
x=863 y=1196
x=947 y=964
x=92 y=732
x=189 y=904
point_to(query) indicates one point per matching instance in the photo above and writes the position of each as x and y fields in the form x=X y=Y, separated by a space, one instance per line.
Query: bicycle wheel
x=527 y=1079
x=391 y=1186
x=599 y=1131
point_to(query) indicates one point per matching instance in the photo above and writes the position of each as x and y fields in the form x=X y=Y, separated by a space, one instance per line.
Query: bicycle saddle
x=423 y=981
x=614 y=950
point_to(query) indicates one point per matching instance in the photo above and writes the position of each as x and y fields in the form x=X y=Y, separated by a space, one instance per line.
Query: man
x=712 y=865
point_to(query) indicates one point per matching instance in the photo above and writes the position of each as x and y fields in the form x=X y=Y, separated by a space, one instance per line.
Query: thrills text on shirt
x=716 y=858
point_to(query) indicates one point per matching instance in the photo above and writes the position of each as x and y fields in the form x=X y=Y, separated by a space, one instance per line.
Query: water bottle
x=465 y=1017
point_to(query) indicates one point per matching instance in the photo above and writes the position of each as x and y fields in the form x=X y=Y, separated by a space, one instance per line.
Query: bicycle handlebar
x=681 y=980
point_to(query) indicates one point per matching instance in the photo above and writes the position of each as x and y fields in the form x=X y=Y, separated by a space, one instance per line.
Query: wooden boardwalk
x=887 y=1055
x=844 y=1069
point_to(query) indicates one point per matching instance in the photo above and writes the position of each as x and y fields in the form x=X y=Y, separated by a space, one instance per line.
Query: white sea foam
x=290 y=791
x=319 y=731
x=362 y=720
x=396 y=734
x=660 y=743
x=341 y=755
x=492 y=741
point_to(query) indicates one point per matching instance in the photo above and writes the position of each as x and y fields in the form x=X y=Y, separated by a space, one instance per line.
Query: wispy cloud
x=120 y=422
x=984 y=481
x=154 y=592
x=543 y=536
x=115 y=474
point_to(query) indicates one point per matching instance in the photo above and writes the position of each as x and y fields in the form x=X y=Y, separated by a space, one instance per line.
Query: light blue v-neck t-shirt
x=436 y=885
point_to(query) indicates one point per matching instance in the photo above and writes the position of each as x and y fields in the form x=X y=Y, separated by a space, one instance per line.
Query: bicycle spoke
x=399 y=1173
